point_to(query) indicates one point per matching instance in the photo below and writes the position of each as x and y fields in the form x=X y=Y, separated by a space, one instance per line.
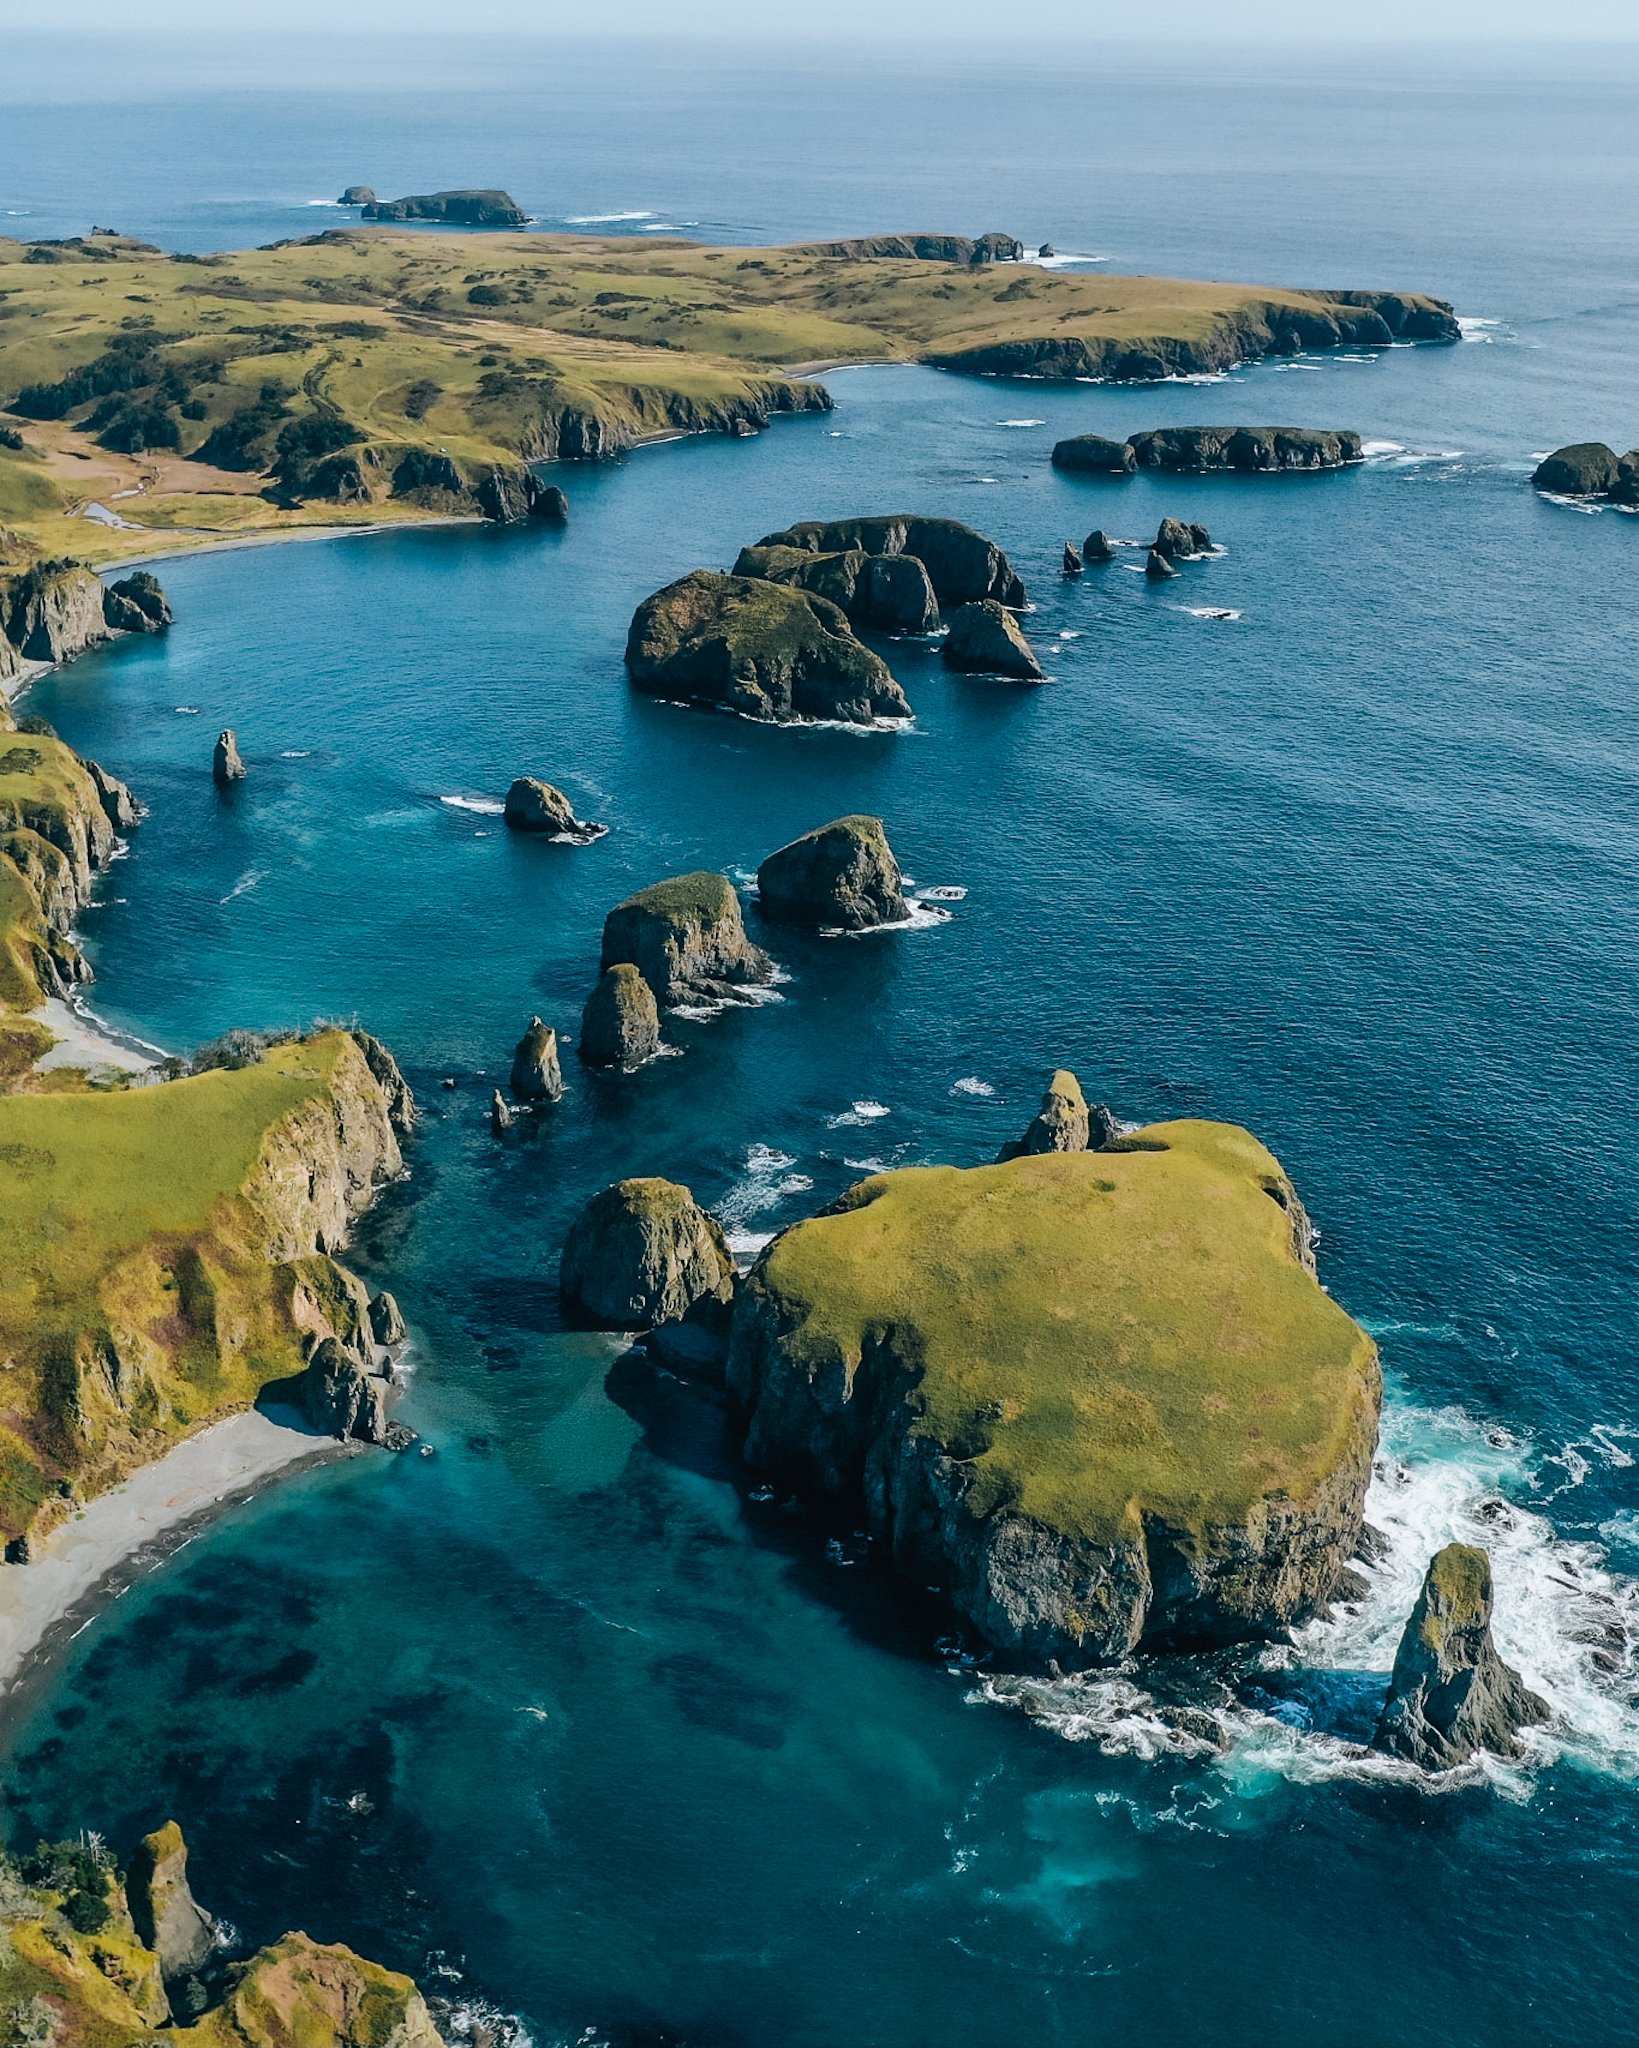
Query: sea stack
x=687 y=938
x=644 y=1252
x=227 y=766
x=1451 y=1695
x=1072 y=559
x=1098 y=547
x=163 y=1909
x=620 y=1026
x=1066 y=1122
x=842 y=876
x=536 y=1074
x=1178 y=540
x=984 y=639
x=536 y=806
x=1157 y=568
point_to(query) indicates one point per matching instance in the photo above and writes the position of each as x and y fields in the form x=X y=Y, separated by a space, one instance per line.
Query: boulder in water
x=1094 y=455
x=687 y=938
x=1178 y=540
x=984 y=639
x=1451 y=1694
x=536 y=1073
x=536 y=806
x=227 y=765
x=842 y=875
x=644 y=1252
x=358 y=195
x=500 y=1113
x=1072 y=559
x=387 y=1323
x=1098 y=547
x=620 y=1026
x=1157 y=568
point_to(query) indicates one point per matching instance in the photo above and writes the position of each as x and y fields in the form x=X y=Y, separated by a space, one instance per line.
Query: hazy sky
x=1480 y=22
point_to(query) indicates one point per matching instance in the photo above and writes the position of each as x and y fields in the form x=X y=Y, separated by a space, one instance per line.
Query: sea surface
x=1337 y=836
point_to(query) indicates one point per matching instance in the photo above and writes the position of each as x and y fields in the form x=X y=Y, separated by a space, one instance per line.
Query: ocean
x=1335 y=837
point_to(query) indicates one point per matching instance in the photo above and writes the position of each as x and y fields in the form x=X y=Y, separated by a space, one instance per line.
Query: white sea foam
x=970 y=1084
x=858 y=1113
x=246 y=883
x=661 y=227
x=766 y=1183
x=593 y=220
x=1564 y=1618
x=1021 y=423
x=295 y=753
x=1210 y=611
x=1382 y=448
x=186 y=710
x=1064 y=262
x=882 y=1166
x=484 y=806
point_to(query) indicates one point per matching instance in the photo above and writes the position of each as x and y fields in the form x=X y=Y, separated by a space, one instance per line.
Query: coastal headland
x=156 y=403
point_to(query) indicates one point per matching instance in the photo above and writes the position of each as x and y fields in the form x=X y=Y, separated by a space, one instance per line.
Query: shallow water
x=648 y=1758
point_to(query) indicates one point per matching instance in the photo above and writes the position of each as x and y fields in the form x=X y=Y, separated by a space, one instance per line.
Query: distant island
x=372 y=373
x=453 y=209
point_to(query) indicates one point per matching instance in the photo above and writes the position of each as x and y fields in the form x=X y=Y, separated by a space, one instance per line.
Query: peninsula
x=153 y=403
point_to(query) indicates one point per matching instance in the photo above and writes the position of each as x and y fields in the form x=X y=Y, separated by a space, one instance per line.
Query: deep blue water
x=1356 y=868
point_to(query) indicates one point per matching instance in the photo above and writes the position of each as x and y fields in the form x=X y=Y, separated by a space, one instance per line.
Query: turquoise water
x=642 y=1757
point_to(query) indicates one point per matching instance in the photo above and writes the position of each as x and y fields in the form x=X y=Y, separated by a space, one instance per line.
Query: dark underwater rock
x=985 y=639
x=842 y=875
x=1451 y=1694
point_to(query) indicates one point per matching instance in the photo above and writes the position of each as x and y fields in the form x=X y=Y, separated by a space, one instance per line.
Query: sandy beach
x=84 y=1041
x=123 y=1535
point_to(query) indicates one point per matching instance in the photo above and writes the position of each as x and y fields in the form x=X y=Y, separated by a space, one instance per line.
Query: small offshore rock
x=536 y=806
x=163 y=1909
x=1098 y=547
x=1584 y=469
x=1094 y=455
x=1046 y=249
x=984 y=639
x=227 y=766
x=620 y=1026
x=1072 y=559
x=1175 y=539
x=387 y=1323
x=644 y=1252
x=500 y=1116
x=1158 y=569
x=1451 y=1694
x=536 y=1073
x=1197 y=1723
x=358 y=195
x=1060 y=1125
x=137 y=604
x=842 y=875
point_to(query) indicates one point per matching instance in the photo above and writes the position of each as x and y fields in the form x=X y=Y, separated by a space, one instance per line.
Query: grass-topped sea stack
x=1098 y=1398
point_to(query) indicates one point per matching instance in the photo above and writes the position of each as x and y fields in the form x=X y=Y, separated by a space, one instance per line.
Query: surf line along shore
x=121 y=1536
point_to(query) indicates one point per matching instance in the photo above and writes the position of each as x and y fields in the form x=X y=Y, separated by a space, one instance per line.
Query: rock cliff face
x=843 y=875
x=323 y=1163
x=644 y=1252
x=508 y=495
x=962 y=565
x=1588 y=469
x=1095 y=455
x=984 y=639
x=120 y=1981
x=1451 y=1695
x=761 y=649
x=621 y=1023
x=1097 y=1398
x=54 y=612
x=989 y=248
x=891 y=592
x=573 y=434
x=137 y=604
x=1270 y=327
x=59 y=817
x=343 y=1396
x=687 y=938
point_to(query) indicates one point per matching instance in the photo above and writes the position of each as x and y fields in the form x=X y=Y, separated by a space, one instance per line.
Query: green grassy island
x=374 y=372
x=1098 y=1396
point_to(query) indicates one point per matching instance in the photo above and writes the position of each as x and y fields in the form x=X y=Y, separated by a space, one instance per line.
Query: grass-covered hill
x=371 y=372
x=1099 y=1396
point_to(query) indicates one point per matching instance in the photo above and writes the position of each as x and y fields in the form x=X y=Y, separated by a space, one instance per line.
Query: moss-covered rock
x=163 y=1910
x=842 y=875
x=890 y=592
x=301 y=1993
x=963 y=566
x=1066 y=1122
x=985 y=639
x=1451 y=1695
x=620 y=1026
x=1099 y=1398
x=644 y=1252
x=763 y=649
x=687 y=938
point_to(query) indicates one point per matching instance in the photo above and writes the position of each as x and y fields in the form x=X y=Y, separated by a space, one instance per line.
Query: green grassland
x=136 y=1295
x=1100 y=1332
x=214 y=377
